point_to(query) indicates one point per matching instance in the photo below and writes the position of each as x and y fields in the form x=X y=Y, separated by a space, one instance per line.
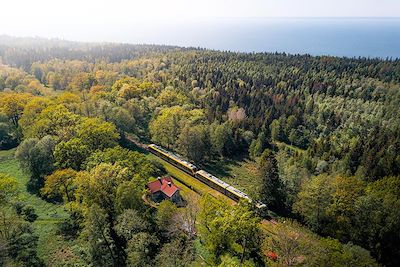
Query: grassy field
x=282 y=145
x=240 y=173
x=50 y=244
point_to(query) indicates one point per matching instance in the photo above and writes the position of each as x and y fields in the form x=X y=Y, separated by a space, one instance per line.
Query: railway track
x=198 y=175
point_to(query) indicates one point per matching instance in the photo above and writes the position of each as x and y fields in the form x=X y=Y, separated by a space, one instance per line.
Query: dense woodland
x=324 y=133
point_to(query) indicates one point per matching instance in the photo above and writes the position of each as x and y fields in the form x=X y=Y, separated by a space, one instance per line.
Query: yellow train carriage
x=221 y=186
x=173 y=159
x=212 y=181
x=236 y=194
x=225 y=188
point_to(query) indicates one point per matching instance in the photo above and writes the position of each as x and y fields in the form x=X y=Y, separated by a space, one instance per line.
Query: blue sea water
x=351 y=37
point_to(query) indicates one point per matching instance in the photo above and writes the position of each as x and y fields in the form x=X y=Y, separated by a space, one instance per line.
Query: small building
x=164 y=188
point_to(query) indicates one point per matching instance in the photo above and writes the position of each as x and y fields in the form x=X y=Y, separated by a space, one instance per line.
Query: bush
x=23 y=246
x=69 y=228
x=18 y=206
x=28 y=213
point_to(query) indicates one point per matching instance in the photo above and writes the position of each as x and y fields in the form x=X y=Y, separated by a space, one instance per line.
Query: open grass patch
x=282 y=145
x=240 y=172
x=49 y=214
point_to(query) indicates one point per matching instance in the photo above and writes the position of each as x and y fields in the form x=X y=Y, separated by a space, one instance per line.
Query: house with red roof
x=164 y=188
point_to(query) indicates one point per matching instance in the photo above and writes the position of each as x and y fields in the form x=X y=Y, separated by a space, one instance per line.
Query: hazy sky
x=75 y=19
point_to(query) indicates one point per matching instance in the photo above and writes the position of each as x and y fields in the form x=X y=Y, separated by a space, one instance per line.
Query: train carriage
x=212 y=181
x=236 y=194
x=173 y=159
x=221 y=186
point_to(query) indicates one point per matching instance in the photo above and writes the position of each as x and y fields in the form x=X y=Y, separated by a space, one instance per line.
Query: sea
x=344 y=37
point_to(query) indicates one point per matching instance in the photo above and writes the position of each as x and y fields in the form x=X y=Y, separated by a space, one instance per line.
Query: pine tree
x=272 y=191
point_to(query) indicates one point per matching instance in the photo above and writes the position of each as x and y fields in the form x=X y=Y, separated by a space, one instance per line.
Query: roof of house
x=164 y=185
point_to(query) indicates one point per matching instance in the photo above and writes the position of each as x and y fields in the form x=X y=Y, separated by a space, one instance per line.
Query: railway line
x=200 y=175
x=194 y=172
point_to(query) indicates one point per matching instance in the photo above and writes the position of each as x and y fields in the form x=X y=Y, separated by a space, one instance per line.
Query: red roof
x=164 y=185
x=272 y=255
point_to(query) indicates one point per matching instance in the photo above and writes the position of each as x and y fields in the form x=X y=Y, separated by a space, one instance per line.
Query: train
x=201 y=175
x=173 y=159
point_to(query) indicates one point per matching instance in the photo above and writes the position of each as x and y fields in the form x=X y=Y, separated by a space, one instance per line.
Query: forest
x=321 y=134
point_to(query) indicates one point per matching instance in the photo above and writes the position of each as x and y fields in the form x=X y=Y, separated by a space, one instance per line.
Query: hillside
x=314 y=138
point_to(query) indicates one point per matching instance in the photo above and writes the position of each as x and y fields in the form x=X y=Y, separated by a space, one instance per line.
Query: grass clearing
x=240 y=173
x=282 y=145
x=49 y=214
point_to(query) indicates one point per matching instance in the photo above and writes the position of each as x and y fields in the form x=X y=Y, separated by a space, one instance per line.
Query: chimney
x=169 y=184
x=159 y=179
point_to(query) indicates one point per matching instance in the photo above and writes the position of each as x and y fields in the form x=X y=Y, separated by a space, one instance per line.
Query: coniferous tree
x=272 y=188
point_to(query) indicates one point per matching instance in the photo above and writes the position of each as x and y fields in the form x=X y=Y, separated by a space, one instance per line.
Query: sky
x=100 y=20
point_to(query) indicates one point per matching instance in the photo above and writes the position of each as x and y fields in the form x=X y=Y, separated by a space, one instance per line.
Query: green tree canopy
x=234 y=230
